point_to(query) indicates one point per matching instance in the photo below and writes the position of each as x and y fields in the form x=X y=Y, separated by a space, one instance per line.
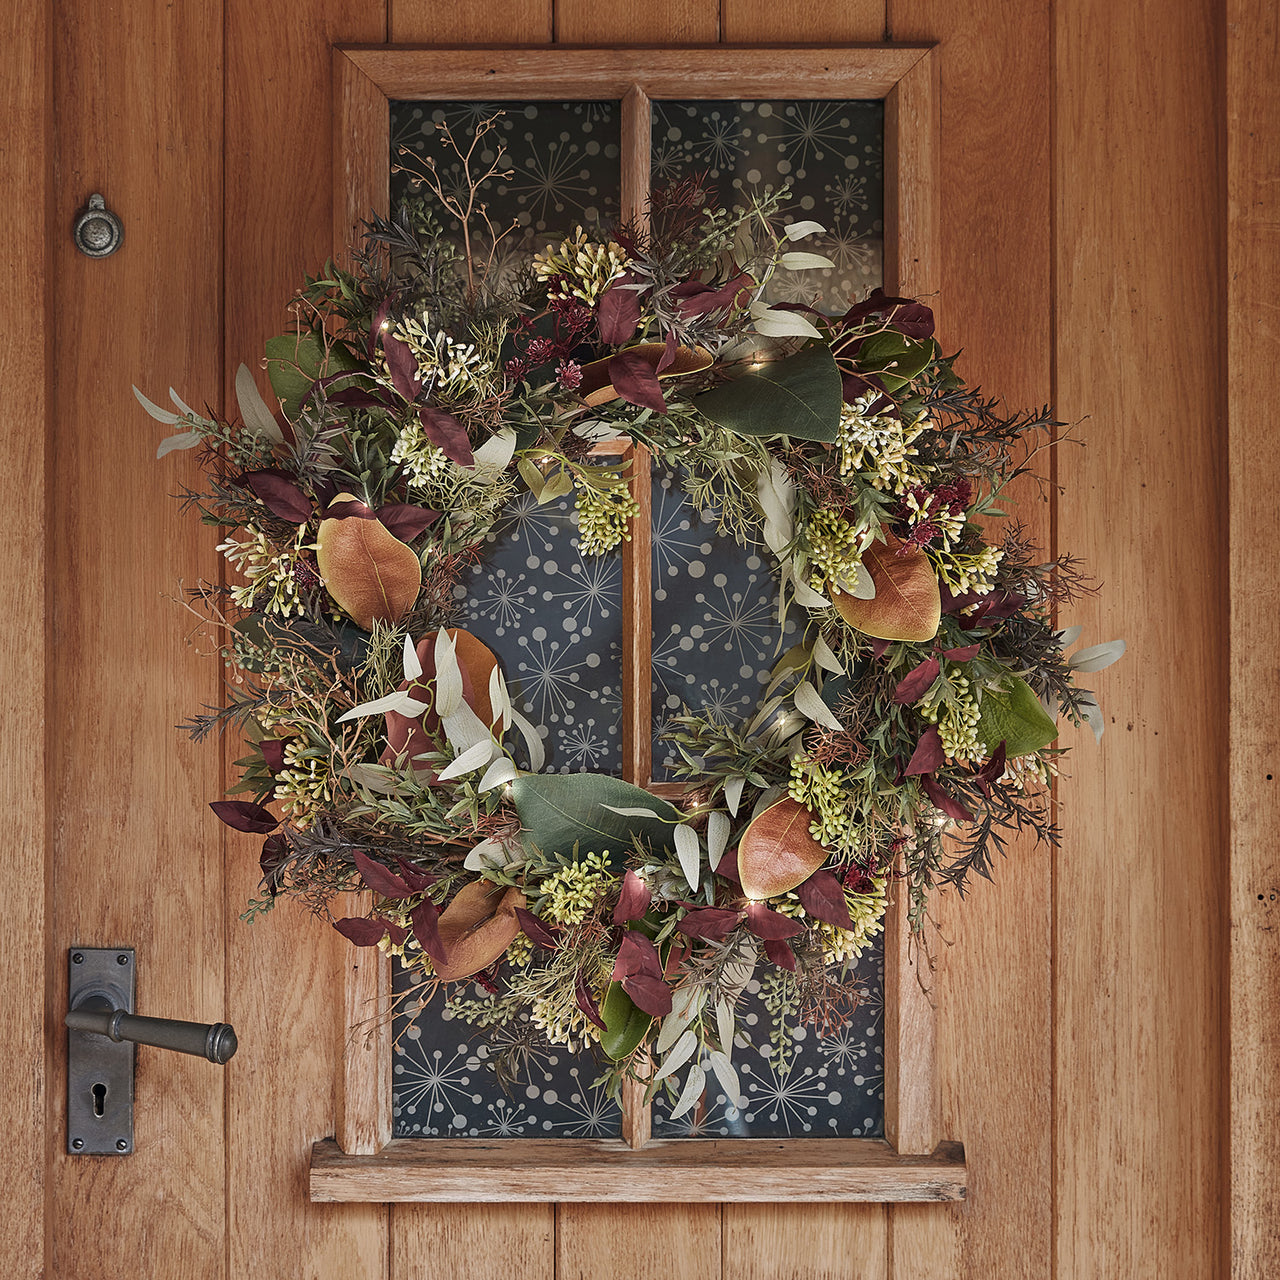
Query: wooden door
x=1082 y=998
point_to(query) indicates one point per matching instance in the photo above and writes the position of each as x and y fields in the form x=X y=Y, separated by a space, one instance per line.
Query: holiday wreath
x=902 y=739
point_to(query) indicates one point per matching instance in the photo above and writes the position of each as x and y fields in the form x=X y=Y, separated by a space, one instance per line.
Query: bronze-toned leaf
x=907 y=603
x=371 y=574
x=777 y=852
x=477 y=927
x=597 y=388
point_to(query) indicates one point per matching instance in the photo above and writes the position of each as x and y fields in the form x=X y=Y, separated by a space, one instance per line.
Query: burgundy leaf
x=771 y=925
x=928 y=754
x=424 y=919
x=991 y=771
x=712 y=923
x=780 y=953
x=648 y=993
x=379 y=879
x=634 y=899
x=415 y=879
x=275 y=853
x=914 y=320
x=728 y=866
x=967 y=654
x=668 y=356
x=352 y=507
x=917 y=682
x=359 y=398
x=587 y=1002
x=403 y=366
x=635 y=380
x=244 y=815
x=534 y=929
x=361 y=931
x=636 y=955
x=447 y=434
x=948 y=804
x=618 y=312
x=397 y=933
x=697 y=299
x=879 y=646
x=990 y=604
x=279 y=494
x=406 y=521
x=822 y=897
x=272 y=753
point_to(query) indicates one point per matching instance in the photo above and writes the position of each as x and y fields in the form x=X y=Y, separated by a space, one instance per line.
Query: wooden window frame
x=363 y=1162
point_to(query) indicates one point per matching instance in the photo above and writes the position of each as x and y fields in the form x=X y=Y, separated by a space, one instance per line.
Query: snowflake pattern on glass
x=829 y=154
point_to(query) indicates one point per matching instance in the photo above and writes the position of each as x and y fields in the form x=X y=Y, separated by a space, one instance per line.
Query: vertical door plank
x=812 y=1240
x=502 y=1241
x=804 y=1241
x=285 y=971
x=136 y=861
x=26 y=364
x=627 y=1241
x=1253 y=337
x=1140 y=886
x=472 y=1242
x=465 y=22
x=992 y=986
x=660 y=22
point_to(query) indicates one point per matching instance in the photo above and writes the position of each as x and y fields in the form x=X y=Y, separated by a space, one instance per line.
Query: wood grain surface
x=135 y=860
x=285 y=972
x=680 y=1170
x=1253 y=345
x=28 y=954
x=1140 y=940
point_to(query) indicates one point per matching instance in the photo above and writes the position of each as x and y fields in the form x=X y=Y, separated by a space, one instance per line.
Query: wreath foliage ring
x=903 y=737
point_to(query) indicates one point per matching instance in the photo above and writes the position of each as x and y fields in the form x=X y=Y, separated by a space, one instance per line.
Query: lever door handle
x=214 y=1041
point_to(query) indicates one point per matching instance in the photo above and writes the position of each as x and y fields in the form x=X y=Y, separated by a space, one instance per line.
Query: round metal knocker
x=98 y=231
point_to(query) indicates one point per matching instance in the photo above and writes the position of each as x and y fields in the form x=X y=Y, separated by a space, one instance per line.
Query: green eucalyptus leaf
x=895 y=358
x=799 y=397
x=625 y=1025
x=295 y=361
x=559 y=810
x=1012 y=714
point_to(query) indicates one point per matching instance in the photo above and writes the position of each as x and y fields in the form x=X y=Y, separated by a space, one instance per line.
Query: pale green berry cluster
x=272 y=585
x=821 y=791
x=305 y=784
x=879 y=444
x=422 y=461
x=832 y=546
x=571 y=893
x=583 y=266
x=604 y=518
x=840 y=946
x=965 y=572
x=456 y=370
x=957 y=721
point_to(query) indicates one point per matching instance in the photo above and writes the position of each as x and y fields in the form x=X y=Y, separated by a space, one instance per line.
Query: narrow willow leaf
x=398 y=702
x=1096 y=657
x=500 y=771
x=805 y=595
x=532 y=741
x=825 y=658
x=185 y=409
x=184 y=440
x=473 y=758
x=680 y=1053
x=764 y=800
x=488 y=855
x=725 y=1025
x=809 y=703
x=691 y=1092
x=689 y=851
x=797 y=261
x=496 y=453
x=637 y=811
x=784 y=324
x=1092 y=714
x=717 y=837
x=727 y=1076
x=412 y=667
x=735 y=975
x=733 y=793
x=798 y=230
x=448 y=675
x=160 y=415
x=686 y=1004
x=1069 y=636
x=464 y=728
x=863 y=586
x=253 y=408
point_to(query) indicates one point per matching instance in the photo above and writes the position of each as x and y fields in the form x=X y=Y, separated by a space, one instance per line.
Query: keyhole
x=99 y=1100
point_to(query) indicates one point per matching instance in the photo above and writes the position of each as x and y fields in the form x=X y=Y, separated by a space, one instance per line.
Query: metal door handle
x=215 y=1041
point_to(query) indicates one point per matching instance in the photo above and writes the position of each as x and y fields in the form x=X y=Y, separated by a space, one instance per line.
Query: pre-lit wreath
x=901 y=739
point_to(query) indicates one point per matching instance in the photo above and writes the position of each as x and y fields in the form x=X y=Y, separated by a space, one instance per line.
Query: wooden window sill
x=683 y=1170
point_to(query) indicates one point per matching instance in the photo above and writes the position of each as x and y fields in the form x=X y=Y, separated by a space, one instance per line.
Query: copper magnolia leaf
x=477 y=927
x=777 y=852
x=371 y=574
x=597 y=386
x=907 y=603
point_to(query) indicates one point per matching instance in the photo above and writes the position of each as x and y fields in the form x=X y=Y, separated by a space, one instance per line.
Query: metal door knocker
x=97 y=231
